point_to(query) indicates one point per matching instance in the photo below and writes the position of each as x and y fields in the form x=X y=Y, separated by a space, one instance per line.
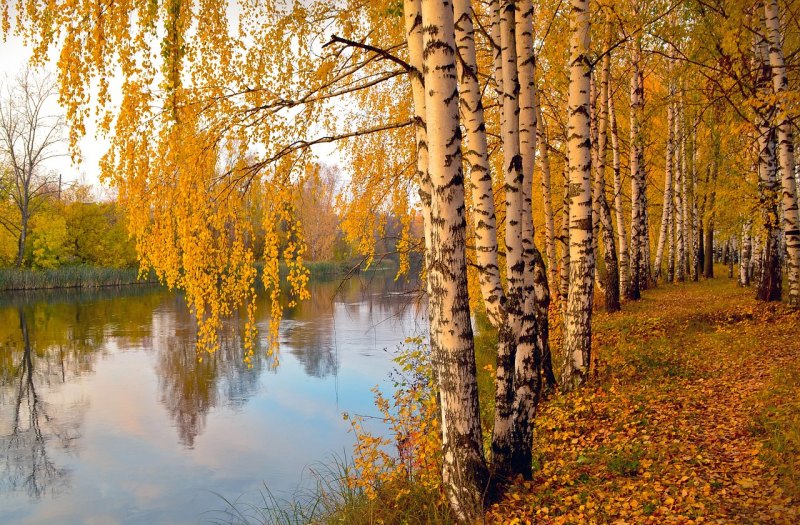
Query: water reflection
x=27 y=464
x=104 y=404
x=192 y=385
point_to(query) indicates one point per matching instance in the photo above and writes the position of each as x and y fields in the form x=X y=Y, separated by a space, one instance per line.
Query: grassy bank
x=334 y=269
x=68 y=277
x=87 y=277
x=692 y=417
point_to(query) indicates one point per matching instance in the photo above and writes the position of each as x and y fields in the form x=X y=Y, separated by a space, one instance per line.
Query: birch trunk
x=756 y=261
x=624 y=268
x=477 y=157
x=564 y=277
x=780 y=83
x=671 y=247
x=637 y=213
x=645 y=273
x=611 y=281
x=593 y=132
x=547 y=196
x=413 y=26
x=464 y=475
x=503 y=445
x=711 y=181
x=769 y=284
x=680 y=165
x=666 y=209
x=744 y=257
x=485 y=225
x=696 y=230
x=684 y=195
x=536 y=295
x=731 y=247
x=578 y=328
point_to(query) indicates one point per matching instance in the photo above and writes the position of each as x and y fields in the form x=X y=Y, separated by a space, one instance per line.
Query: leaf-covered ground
x=694 y=417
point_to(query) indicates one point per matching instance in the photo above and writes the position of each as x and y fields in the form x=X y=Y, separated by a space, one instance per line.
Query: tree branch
x=381 y=52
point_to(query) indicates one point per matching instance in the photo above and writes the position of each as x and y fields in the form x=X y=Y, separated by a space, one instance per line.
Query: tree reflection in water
x=49 y=340
x=192 y=383
x=29 y=423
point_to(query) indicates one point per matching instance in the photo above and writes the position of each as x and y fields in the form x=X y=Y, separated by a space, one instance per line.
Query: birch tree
x=637 y=189
x=611 y=286
x=624 y=266
x=769 y=282
x=465 y=476
x=678 y=195
x=744 y=257
x=780 y=84
x=547 y=197
x=578 y=332
x=666 y=211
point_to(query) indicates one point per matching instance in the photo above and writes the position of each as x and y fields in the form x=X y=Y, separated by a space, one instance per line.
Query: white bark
x=744 y=257
x=536 y=296
x=578 y=329
x=791 y=226
x=680 y=165
x=769 y=283
x=413 y=26
x=684 y=195
x=547 y=197
x=611 y=281
x=480 y=177
x=564 y=269
x=637 y=213
x=624 y=269
x=465 y=476
x=666 y=210
x=696 y=237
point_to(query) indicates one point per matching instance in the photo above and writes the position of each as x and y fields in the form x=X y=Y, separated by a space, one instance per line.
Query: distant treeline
x=67 y=228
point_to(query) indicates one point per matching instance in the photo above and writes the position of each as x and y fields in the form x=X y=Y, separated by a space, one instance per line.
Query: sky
x=15 y=58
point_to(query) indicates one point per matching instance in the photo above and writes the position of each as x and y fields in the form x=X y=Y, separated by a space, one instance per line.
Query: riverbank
x=89 y=277
x=692 y=417
x=83 y=277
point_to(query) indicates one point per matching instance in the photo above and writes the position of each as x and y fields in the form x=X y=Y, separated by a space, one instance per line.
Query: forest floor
x=693 y=417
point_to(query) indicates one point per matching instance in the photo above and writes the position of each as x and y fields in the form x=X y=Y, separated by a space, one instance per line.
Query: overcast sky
x=15 y=58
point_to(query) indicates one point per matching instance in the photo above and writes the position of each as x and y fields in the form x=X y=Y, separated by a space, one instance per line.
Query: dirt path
x=692 y=418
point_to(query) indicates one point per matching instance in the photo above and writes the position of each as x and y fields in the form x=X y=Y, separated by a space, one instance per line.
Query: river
x=108 y=417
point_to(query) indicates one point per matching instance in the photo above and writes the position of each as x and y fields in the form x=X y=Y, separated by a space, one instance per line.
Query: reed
x=69 y=277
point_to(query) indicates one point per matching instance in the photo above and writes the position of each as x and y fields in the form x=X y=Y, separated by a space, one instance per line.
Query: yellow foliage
x=410 y=455
x=49 y=236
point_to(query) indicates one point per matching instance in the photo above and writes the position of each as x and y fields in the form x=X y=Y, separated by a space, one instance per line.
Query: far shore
x=91 y=277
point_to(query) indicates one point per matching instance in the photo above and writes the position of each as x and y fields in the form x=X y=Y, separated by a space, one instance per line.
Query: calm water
x=106 y=415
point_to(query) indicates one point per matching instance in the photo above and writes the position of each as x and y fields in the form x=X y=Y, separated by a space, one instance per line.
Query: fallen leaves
x=668 y=431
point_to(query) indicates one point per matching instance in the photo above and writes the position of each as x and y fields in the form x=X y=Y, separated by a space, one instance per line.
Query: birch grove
x=696 y=122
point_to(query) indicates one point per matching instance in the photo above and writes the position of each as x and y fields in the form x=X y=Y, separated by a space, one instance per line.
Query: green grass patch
x=777 y=423
x=625 y=462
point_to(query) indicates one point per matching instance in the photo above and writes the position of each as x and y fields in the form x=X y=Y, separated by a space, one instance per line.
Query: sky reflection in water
x=106 y=415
